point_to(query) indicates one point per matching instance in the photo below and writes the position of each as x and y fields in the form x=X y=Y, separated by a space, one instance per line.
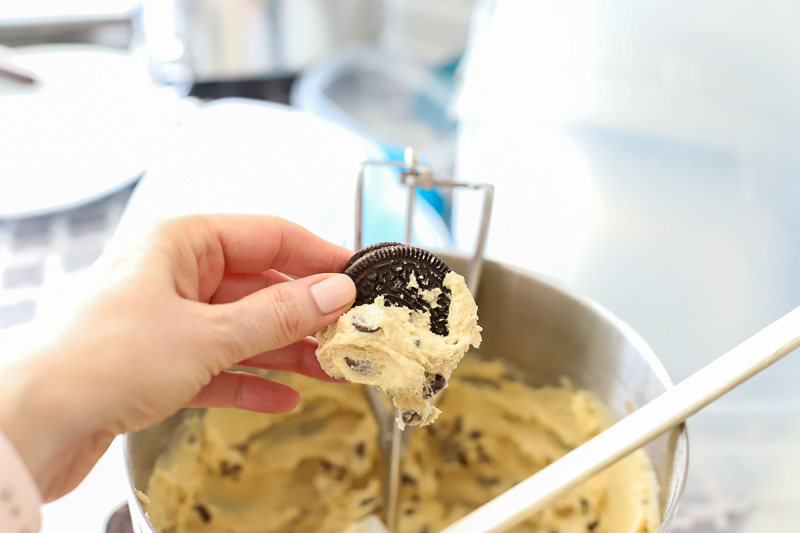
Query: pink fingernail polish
x=334 y=292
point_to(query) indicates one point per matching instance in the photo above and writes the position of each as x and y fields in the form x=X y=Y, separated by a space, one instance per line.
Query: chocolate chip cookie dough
x=393 y=348
x=317 y=469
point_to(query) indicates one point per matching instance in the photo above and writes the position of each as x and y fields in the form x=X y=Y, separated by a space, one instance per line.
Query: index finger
x=255 y=243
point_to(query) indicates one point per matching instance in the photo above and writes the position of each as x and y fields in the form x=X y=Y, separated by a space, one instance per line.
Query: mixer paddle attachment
x=392 y=441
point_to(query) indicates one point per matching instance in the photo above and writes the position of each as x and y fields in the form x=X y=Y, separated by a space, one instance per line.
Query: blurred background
x=645 y=154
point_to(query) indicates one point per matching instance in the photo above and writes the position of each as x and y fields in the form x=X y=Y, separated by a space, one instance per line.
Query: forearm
x=20 y=499
x=38 y=413
x=138 y=339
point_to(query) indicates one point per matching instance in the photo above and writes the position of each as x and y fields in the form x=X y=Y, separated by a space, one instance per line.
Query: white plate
x=85 y=130
x=245 y=156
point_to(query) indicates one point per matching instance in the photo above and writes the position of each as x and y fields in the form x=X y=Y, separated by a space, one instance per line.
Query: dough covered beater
x=393 y=441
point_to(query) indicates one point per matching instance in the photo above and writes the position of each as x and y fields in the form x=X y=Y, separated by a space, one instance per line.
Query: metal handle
x=392 y=441
x=413 y=175
x=637 y=429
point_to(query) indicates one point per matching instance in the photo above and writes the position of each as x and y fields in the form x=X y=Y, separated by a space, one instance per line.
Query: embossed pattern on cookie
x=405 y=276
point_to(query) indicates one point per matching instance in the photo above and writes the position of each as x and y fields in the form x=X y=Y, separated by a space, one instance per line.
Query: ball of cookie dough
x=393 y=348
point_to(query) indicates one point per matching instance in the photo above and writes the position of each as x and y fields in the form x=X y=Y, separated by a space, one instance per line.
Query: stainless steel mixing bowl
x=547 y=332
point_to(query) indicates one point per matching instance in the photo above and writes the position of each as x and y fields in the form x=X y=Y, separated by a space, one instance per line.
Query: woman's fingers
x=278 y=315
x=252 y=243
x=246 y=391
x=200 y=249
x=299 y=357
x=234 y=287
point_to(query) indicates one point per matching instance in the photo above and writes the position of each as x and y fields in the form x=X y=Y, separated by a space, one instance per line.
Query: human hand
x=144 y=340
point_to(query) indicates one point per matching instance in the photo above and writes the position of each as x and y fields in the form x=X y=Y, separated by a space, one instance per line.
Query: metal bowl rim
x=680 y=471
x=681 y=456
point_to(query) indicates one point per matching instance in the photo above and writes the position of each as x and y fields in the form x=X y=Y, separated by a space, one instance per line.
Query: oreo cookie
x=368 y=249
x=386 y=269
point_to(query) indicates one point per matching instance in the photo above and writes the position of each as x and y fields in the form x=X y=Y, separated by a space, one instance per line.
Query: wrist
x=21 y=419
x=35 y=411
x=20 y=498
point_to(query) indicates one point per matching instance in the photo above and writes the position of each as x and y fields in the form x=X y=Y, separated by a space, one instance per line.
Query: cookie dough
x=393 y=348
x=317 y=469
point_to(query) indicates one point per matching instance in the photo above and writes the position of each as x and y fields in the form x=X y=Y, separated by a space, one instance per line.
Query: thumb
x=283 y=313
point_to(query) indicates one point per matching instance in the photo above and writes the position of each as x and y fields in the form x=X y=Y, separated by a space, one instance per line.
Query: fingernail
x=333 y=293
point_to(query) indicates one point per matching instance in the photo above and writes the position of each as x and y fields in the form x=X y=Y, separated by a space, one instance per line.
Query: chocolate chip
x=591 y=526
x=359 y=366
x=475 y=434
x=483 y=457
x=417 y=343
x=434 y=385
x=368 y=501
x=202 y=510
x=227 y=469
x=311 y=427
x=361 y=448
x=409 y=480
x=410 y=416
x=458 y=424
x=361 y=326
x=339 y=473
x=486 y=481
x=410 y=511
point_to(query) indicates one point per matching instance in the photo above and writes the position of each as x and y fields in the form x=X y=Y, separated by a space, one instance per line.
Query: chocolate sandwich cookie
x=413 y=320
x=405 y=276
x=369 y=249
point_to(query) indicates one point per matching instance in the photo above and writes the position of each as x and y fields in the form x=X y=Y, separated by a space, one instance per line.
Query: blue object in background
x=393 y=103
x=434 y=196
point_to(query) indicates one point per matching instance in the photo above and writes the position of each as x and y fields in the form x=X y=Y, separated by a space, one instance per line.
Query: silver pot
x=547 y=332
x=224 y=40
